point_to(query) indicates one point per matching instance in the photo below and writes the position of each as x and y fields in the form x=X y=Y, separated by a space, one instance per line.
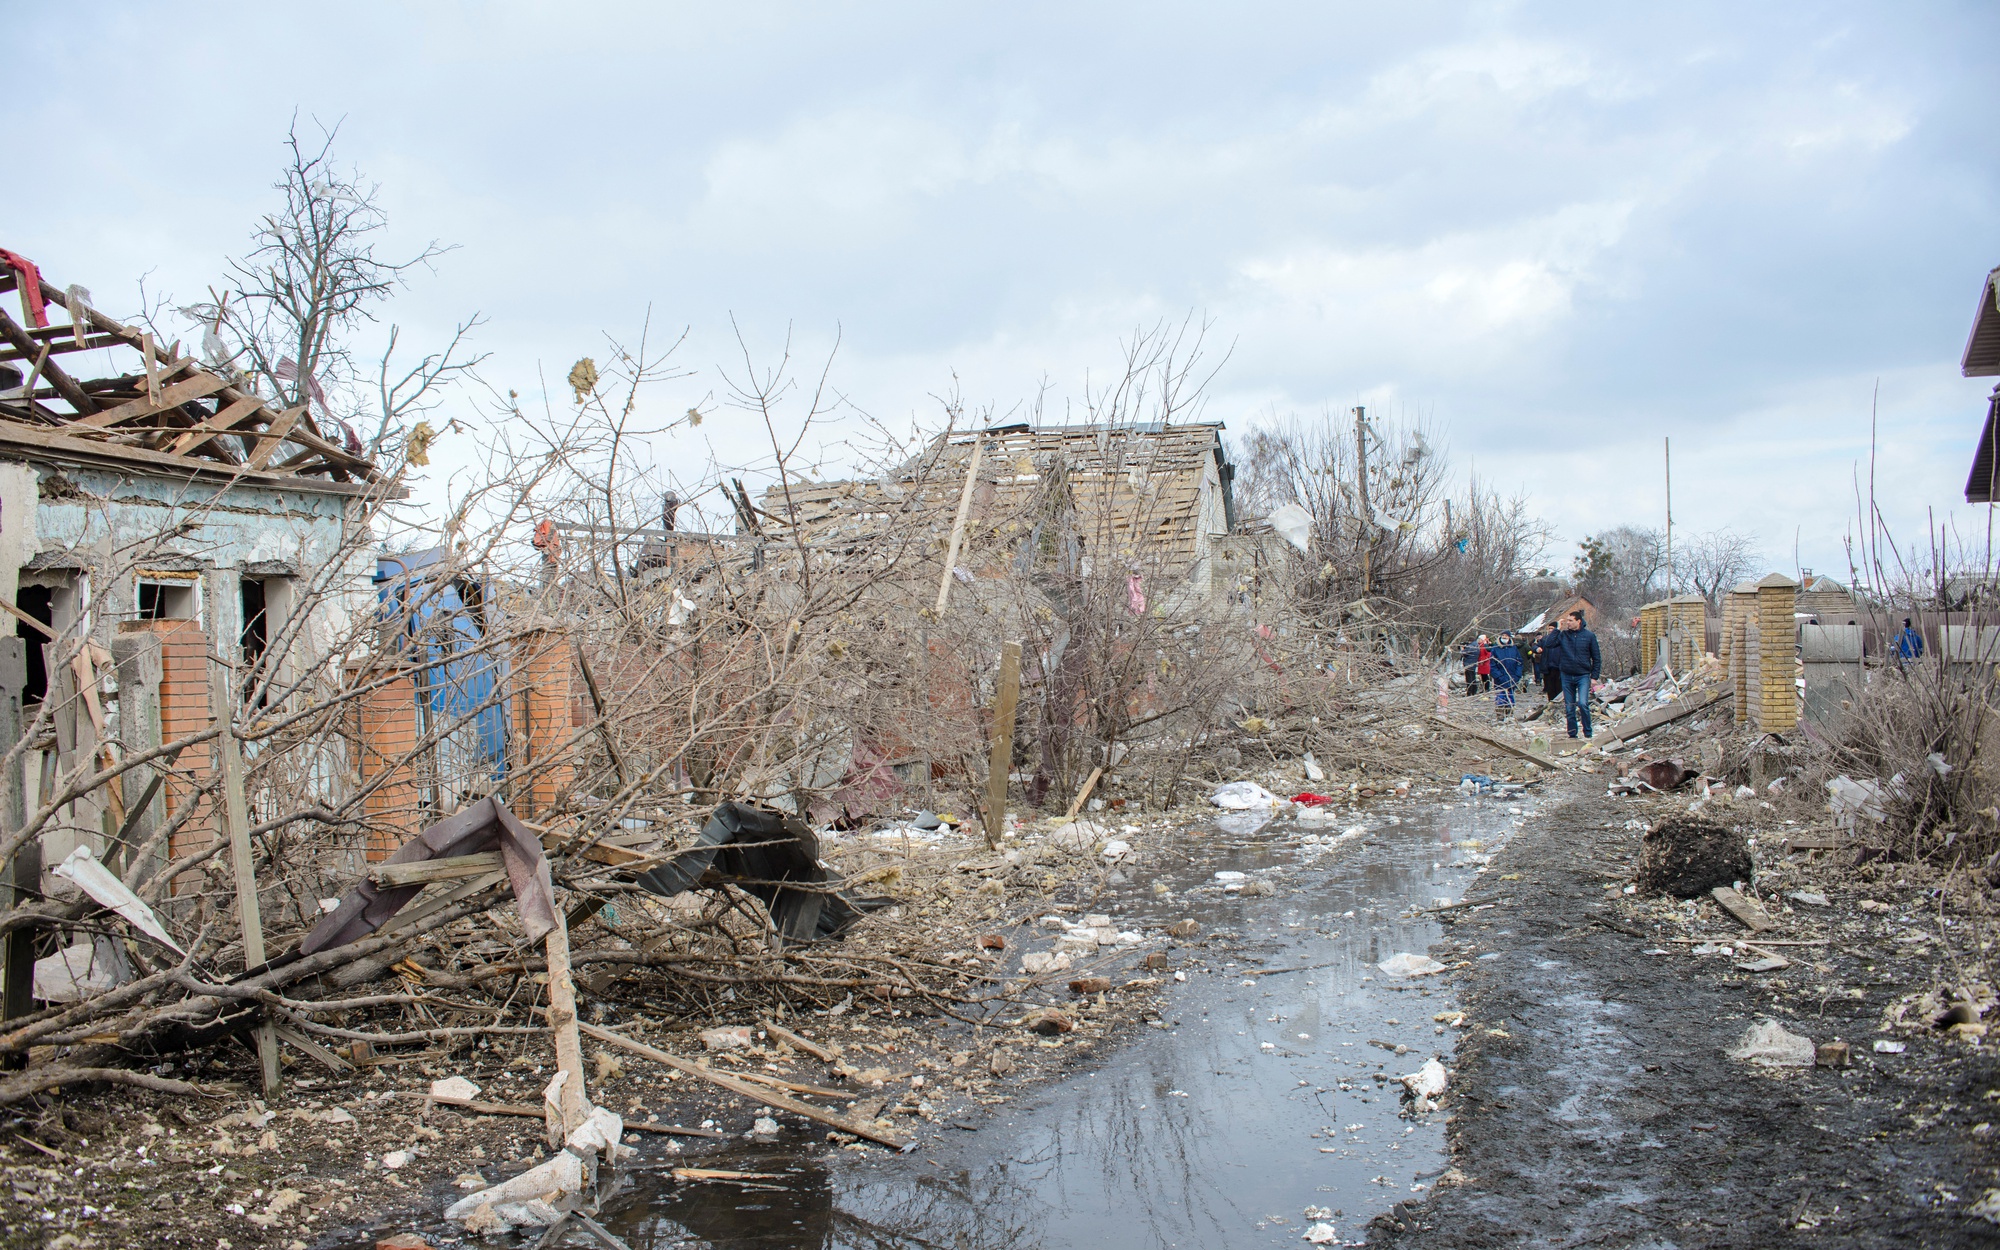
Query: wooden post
x=572 y=1106
x=958 y=525
x=1089 y=784
x=26 y=870
x=1004 y=698
x=236 y=815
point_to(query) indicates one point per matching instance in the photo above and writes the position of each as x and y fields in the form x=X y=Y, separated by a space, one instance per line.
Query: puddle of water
x=1222 y=1129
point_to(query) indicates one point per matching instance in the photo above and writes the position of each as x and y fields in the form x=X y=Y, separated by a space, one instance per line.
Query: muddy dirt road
x=1594 y=1104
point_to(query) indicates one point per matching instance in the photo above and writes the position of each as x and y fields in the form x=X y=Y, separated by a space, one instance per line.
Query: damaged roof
x=166 y=411
x=1138 y=489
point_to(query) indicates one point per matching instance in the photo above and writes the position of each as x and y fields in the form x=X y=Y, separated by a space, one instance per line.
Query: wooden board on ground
x=745 y=1088
x=536 y=1113
x=1745 y=910
x=1646 y=722
x=1489 y=740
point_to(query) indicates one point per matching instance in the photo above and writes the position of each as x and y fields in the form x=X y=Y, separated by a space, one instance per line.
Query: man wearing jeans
x=1573 y=649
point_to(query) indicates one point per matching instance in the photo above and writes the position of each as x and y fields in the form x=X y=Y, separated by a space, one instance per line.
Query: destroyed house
x=1982 y=360
x=161 y=507
x=1152 y=498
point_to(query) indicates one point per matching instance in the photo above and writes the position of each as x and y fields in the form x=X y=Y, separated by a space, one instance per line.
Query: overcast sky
x=1559 y=231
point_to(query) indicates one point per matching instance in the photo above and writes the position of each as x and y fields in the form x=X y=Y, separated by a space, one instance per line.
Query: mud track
x=1594 y=1104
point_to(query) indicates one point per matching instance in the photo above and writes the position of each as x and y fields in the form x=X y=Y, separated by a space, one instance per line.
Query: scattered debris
x=1769 y=1044
x=1409 y=965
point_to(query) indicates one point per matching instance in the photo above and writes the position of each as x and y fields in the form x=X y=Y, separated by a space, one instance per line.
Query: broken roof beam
x=66 y=386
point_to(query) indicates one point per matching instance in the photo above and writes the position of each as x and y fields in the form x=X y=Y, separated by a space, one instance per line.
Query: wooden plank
x=200 y=386
x=273 y=436
x=1494 y=742
x=572 y=1106
x=220 y=423
x=793 y=1086
x=796 y=1042
x=1745 y=910
x=1083 y=795
x=236 y=815
x=958 y=525
x=1649 y=721
x=65 y=385
x=308 y=1047
x=535 y=1113
x=1004 y=701
x=745 y=1088
x=423 y=871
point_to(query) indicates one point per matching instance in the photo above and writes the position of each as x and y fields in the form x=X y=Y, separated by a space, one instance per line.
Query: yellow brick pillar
x=1687 y=626
x=1777 y=670
x=1737 y=609
x=1652 y=621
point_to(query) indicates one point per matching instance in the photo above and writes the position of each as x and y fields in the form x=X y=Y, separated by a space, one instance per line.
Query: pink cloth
x=1135 y=598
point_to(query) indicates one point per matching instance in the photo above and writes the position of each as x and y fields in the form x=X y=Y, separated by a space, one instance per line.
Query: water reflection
x=1219 y=1131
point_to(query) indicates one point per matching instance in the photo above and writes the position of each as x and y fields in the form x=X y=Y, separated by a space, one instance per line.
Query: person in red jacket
x=1485 y=665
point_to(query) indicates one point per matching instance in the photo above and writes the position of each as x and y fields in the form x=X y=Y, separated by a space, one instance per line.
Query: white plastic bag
x=1242 y=795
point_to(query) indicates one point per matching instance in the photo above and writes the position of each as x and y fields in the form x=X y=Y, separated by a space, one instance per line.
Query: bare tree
x=1709 y=564
x=313 y=279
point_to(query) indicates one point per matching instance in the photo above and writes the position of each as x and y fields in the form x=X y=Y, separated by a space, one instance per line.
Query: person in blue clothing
x=1574 y=651
x=1506 y=675
x=1909 y=645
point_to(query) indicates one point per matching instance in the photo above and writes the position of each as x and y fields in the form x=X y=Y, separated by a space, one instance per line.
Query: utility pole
x=1361 y=486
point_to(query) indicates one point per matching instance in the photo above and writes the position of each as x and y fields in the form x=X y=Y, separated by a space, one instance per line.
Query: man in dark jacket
x=1546 y=667
x=1574 y=650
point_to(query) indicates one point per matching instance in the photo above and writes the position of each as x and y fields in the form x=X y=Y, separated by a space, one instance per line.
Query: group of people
x=1565 y=659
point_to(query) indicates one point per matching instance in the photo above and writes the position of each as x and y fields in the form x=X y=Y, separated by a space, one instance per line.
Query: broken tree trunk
x=745 y=1088
x=1005 y=695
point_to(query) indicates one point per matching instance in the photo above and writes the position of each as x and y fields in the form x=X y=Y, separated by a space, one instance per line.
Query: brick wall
x=388 y=733
x=184 y=710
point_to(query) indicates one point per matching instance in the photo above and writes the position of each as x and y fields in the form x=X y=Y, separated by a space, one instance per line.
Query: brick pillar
x=184 y=710
x=1778 y=692
x=1751 y=701
x=1687 y=617
x=1651 y=620
x=388 y=734
x=1736 y=605
x=542 y=666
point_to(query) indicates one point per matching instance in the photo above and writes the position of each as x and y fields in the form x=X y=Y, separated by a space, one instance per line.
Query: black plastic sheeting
x=773 y=855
